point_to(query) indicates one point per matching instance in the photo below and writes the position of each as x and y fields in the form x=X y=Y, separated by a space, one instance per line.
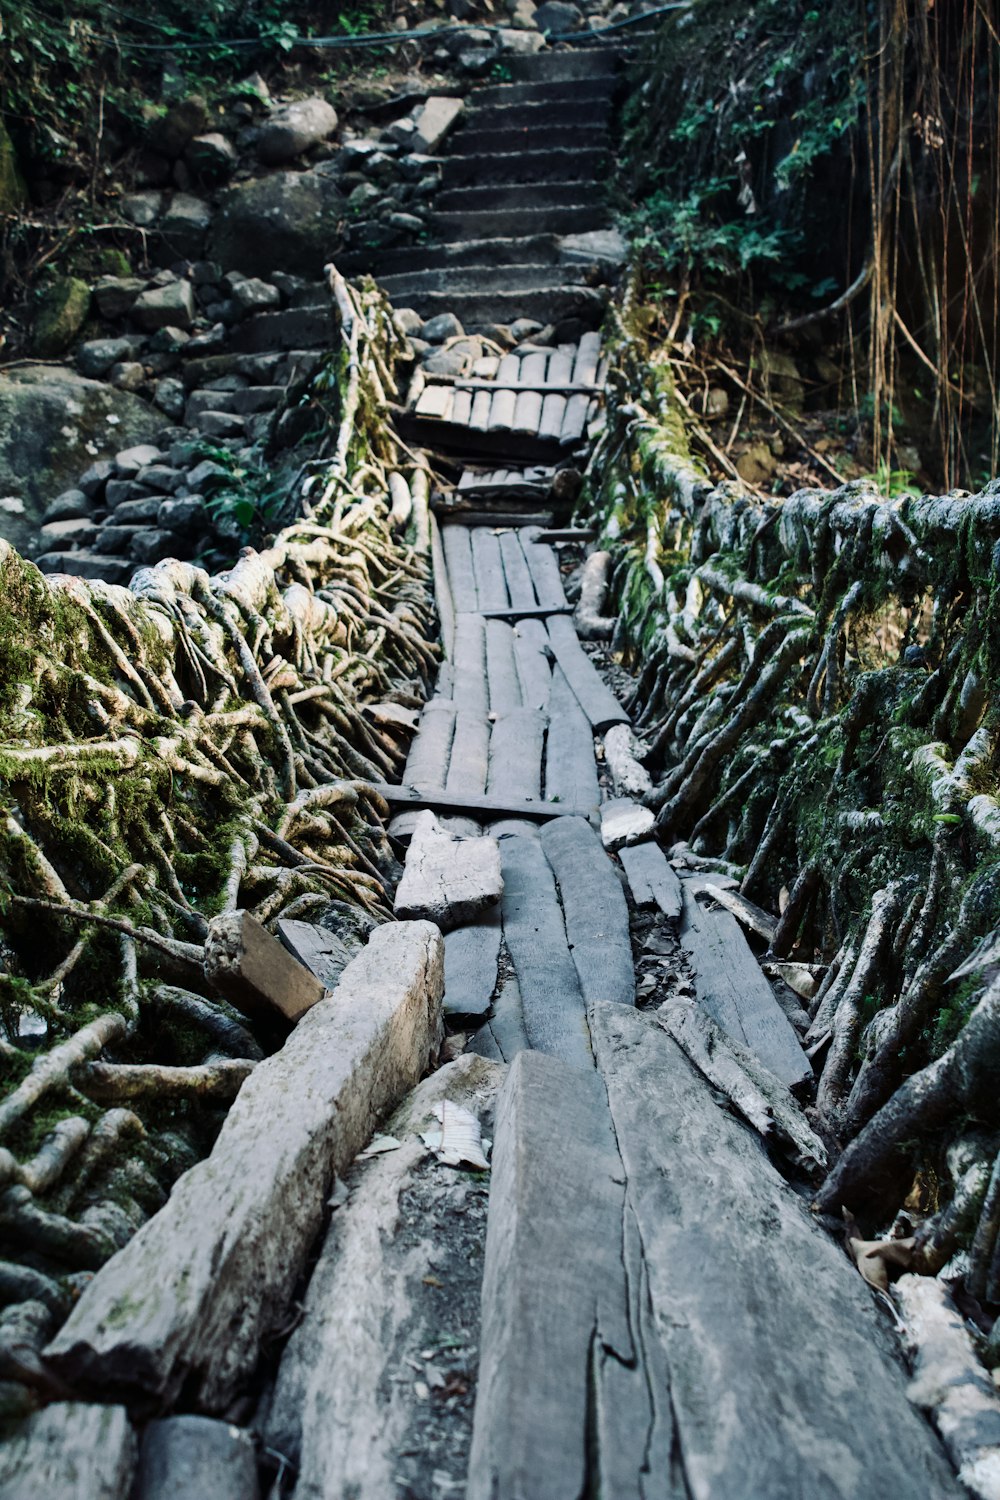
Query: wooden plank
x=651 y=879
x=427 y=760
x=479 y=416
x=491 y=585
x=544 y=568
x=461 y=411
x=574 y=420
x=526 y=612
x=531 y=652
x=468 y=805
x=471 y=962
x=542 y=387
x=741 y=1283
x=507 y=1020
x=554 y=406
x=587 y=357
x=461 y=574
x=520 y=587
x=188 y=1301
x=567 y=534
x=435 y=401
x=592 y=693
x=443 y=597
x=516 y=745
x=557 y=1342
x=528 y=407
x=501 y=668
x=71 y=1450
x=570 y=766
x=469 y=687
x=455 y=517
x=502 y=407
x=595 y=910
x=486 y=367
x=467 y=767
x=535 y=934
x=731 y=988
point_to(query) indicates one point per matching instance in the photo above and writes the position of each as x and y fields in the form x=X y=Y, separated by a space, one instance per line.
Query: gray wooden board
x=531 y=652
x=592 y=693
x=469 y=688
x=535 y=934
x=484 y=1044
x=442 y=591
x=517 y=573
x=557 y=1339
x=467 y=804
x=733 y=990
x=651 y=878
x=467 y=769
x=458 y=555
x=491 y=586
x=516 y=744
x=427 y=759
x=503 y=685
x=570 y=766
x=544 y=568
x=783 y=1377
x=595 y=910
x=471 y=956
x=507 y=1020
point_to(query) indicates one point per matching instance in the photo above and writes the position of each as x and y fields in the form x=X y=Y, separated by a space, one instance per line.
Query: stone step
x=495 y=195
x=576 y=108
x=545 y=304
x=560 y=165
x=560 y=67
x=538 y=249
x=556 y=92
x=403 y=286
x=488 y=223
x=514 y=135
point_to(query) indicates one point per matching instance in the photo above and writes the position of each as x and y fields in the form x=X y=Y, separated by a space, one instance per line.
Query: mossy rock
x=61 y=313
x=12 y=189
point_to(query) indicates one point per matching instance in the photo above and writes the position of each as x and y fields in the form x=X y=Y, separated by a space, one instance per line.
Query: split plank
x=535 y=934
x=507 y=1020
x=544 y=570
x=516 y=745
x=442 y=591
x=471 y=959
x=592 y=693
x=470 y=688
x=517 y=574
x=427 y=759
x=467 y=768
x=595 y=911
x=731 y=988
x=458 y=555
x=531 y=652
x=470 y=806
x=743 y=1298
x=651 y=879
x=570 y=766
x=189 y=1299
x=503 y=685
x=491 y=585
x=526 y=612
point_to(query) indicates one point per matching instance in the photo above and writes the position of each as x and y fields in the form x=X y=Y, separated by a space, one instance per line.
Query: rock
x=69 y=506
x=169 y=135
x=254 y=971
x=184 y=226
x=360 y=197
x=406 y=223
x=197 y=1457
x=524 y=328
x=407 y=321
x=444 y=326
x=117 y=492
x=169 y=397
x=53 y=424
x=253 y=295
x=624 y=822
x=56 y=535
x=433 y=121
x=86 y=564
x=169 y=340
x=94 y=480
x=115 y=295
x=189 y=1299
x=142 y=209
x=127 y=376
x=114 y=541
x=139 y=512
x=556 y=16
x=220 y=424
x=521 y=43
x=129 y=461
x=151 y=545
x=445 y=362
x=98 y=355
x=290 y=219
x=448 y=880
x=522 y=14
x=292 y=129
x=165 y=306
x=60 y=313
x=605 y=246
x=757 y=464
x=72 y=1450
x=468 y=39
x=211 y=157
x=781 y=377
x=208 y=474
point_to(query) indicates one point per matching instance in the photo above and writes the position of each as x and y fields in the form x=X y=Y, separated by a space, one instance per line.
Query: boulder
x=129 y=375
x=98 y=355
x=444 y=326
x=128 y=461
x=211 y=157
x=169 y=135
x=115 y=295
x=556 y=16
x=142 y=209
x=290 y=219
x=165 y=306
x=183 y=228
x=53 y=424
x=292 y=129
x=71 y=505
x=61 y=313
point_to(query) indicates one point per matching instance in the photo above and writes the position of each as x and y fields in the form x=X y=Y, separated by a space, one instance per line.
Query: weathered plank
x=435 y=401
x=479 y=419
x=516 y=572
x=491 y=585
x=651 y=878
x=507 y=1020
x=501 y=669
x=560 y=374
x=516 y=754
x=340 y=1412
x=69 y=1451
x=427 y=758
x=195 y=1457
x=467 y=767
x=731 y=987
x=469 y=688
x=528 y=408
x=469 y=806
x=570 y=767
x=593 y=694
x=544 y=569
x=461 y=409
x=552 y=1001
x=588 y=354
x=188 y=1300
x=447 y=880
x=471 y=959
x=745 y=1288
x=595 y=910
x=461 y=574
x=558 y=1345
x=255 y=972
x=442 y=591
x=531 y=652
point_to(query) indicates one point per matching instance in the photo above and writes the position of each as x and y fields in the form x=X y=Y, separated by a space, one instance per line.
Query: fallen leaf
x=458 y=1142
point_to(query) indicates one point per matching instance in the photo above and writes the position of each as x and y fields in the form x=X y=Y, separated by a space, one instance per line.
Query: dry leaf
x=459 y=1141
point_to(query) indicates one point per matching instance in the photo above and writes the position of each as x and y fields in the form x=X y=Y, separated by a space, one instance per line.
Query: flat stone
x=189 y=1299
x=115 y=295
x=625 y=822
x=79 y=532
x=606 y=246
x=448 y=880
x=164 y=306
x=96 y=356
x=253 y=295
x=444 y=326
x=140 y=512
x=433 y=121
x=86 y=564
x=130 y=460
x=254 y=971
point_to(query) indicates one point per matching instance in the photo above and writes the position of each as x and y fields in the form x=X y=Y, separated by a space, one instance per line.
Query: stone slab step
x=562 y=164
x=478 y=224
x=538 y=249
x=544 y=304
x=85 y=564
x=527 y=135
x=581 y=107
x=402 y=287
x=494 y=195
x=559 y=67
x=554 y=91
x=295 y=328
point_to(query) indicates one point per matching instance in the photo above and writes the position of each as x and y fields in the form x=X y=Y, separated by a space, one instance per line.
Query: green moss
x=60 y=313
